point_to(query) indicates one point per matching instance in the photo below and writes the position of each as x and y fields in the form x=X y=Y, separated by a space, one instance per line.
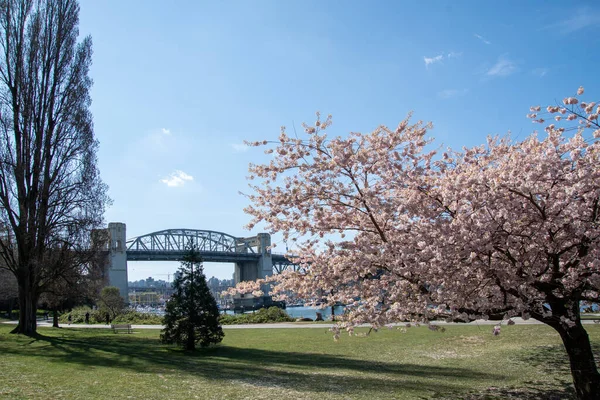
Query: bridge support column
x=265 y=262
x=117 y=270
x=253 y=270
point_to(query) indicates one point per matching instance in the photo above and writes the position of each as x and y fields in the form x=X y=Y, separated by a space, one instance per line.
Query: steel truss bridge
x=171 y=245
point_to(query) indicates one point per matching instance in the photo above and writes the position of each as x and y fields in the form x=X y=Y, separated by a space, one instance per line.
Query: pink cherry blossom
x=508 y=228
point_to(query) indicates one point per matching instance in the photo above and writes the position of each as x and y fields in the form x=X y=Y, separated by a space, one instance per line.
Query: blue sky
x=178 y=87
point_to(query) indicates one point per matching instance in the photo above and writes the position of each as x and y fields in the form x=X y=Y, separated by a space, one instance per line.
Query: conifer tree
x=191 y=315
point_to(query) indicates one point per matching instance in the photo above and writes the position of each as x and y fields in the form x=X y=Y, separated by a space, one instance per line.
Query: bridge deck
x=208 y=256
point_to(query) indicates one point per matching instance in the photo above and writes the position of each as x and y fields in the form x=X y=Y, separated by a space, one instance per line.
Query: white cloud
x=583 y=18
x=166 y=131
x=433 y=60
x=440 y=57
x=449 y=93
x=239 y=147
x=503 y=67
x=177 y=178
x=484 y=40
x=540 y=72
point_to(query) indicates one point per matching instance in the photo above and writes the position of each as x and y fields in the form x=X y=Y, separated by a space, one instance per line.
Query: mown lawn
x=465 y=362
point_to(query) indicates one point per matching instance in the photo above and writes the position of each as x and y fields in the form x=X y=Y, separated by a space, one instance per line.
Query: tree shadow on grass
x=305 y=372
x=553 y=357
x=548 y=359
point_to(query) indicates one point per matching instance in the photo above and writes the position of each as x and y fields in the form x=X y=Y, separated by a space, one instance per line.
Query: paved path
x=290 y=325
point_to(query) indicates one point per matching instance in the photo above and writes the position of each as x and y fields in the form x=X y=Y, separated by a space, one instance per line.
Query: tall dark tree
x=51 y=194
x=191 y=315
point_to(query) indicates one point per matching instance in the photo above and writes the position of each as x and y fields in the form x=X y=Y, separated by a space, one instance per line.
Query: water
x=149 y=310
x=310 y=312
x=306 y=312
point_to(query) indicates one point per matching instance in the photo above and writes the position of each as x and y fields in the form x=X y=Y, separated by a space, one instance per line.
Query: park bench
x=121 y=327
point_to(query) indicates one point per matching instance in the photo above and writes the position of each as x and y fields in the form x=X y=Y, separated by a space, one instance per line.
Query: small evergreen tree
x=191 y=315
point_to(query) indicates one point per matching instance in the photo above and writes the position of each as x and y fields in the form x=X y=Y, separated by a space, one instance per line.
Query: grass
x=465 y=362
x=595 y=317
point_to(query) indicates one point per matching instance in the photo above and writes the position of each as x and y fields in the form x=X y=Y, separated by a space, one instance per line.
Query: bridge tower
x=117 y=271
x=253 y=270
x=261 y=268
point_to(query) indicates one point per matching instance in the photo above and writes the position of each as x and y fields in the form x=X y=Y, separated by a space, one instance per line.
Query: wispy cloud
x=449 y=93
x=433 y=60
x=177 y=178
x=582 y=18
x=484 y=40
x=503 y=67
x=540 y=72
x=166 y=131
x=441 y=57
x=239 y=147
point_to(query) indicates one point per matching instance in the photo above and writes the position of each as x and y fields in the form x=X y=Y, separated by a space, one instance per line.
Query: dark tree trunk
x=191 y=337
x=191 y=340
x=27 y=313
x=333 y=313
x=10 y=308
x=55 y=318
x=586 y=378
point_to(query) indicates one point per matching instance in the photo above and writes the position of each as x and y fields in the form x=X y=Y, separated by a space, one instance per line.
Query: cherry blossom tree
x=400 y=232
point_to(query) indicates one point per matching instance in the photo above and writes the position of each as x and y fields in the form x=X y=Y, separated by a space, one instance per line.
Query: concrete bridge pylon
x=259 y=268
x=253 y=270
x=117 y=270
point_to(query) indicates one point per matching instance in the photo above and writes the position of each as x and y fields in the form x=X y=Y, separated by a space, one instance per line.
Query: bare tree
x=51 y=194
x=79 y=276
x=111 y=302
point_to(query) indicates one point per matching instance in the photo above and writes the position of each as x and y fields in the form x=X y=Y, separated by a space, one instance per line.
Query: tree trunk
x=191 y=337
x=191 y=340
x=10 y=308
x=27 y=313
x=55 y=318
x=586 y=378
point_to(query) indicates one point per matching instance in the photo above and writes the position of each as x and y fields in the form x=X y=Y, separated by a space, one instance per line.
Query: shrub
x=78 y=316
x=262 y=316
x=99 y=317
x=138 y=318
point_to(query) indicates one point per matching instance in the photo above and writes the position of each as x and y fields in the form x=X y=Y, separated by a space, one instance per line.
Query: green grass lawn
x=594 y=317
x=465 y=362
